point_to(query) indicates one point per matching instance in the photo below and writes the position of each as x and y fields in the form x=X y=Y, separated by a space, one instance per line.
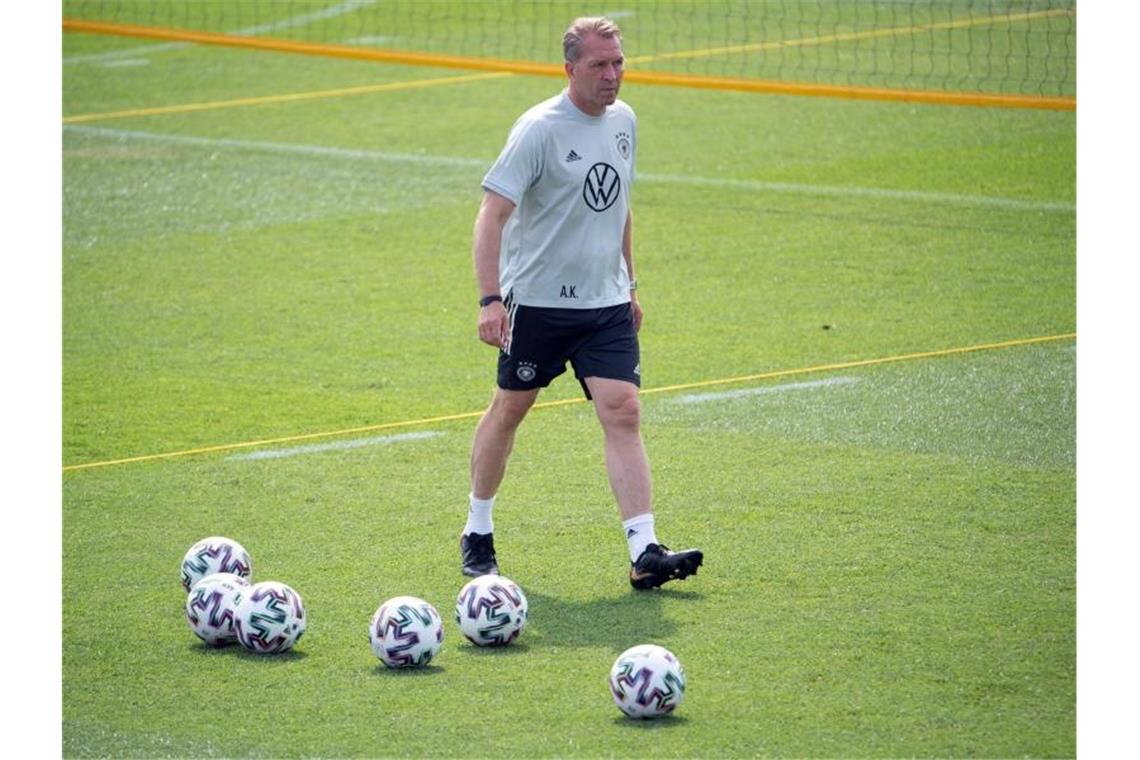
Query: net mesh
x=990 y=46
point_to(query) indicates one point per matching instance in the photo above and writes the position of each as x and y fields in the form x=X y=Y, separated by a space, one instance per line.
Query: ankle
x=479 y=516
x=639 y=534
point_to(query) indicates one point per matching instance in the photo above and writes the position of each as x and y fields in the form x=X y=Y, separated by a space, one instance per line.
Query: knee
x=621 y=413
x=508 y=411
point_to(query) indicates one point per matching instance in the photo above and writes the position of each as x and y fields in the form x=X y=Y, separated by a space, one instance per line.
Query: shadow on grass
x=620 y=622
x=291 y=655
x=236 y=650
x=663 y=723
x=383 y=671
x=514 y=649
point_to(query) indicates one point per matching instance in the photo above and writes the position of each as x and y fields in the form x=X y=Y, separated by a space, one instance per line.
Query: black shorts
x=596 y=342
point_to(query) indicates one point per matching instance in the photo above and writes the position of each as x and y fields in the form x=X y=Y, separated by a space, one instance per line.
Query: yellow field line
x=268 y=441
x=309 y=48
x=864 y=363
x=851 y=36
x=566 y=402
x=929 y=97
x=543 y=69
x=288 y=98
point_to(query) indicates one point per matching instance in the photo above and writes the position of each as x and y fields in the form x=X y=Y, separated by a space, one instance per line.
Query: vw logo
x=602 y=186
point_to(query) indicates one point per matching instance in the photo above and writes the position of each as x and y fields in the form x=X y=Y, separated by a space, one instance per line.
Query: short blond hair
x=580 y=27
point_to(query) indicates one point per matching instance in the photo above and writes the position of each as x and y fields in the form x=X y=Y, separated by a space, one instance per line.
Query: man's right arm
x=494 y=325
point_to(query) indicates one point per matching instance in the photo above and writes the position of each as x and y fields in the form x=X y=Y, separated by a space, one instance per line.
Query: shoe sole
x=686 y=567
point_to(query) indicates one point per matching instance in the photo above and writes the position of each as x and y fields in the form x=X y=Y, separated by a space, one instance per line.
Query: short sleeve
x=519 y=164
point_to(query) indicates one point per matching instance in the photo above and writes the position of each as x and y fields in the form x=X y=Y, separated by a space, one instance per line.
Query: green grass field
x=890 y=545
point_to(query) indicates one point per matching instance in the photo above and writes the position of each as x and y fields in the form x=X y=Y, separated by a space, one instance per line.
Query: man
x=554 y=265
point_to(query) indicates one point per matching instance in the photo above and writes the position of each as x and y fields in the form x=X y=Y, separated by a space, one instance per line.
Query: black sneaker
x=657 y=565
x=478 y=551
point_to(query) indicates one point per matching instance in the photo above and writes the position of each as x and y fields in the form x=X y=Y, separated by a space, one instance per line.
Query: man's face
x=595 y=77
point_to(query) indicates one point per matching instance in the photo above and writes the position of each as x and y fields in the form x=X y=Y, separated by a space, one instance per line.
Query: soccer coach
x=553 y=250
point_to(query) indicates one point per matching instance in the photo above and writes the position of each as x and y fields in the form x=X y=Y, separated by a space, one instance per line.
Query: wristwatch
x=487 y=300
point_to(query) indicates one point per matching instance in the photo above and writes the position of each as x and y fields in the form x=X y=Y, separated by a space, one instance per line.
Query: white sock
x=639 y=533
x=479 y=516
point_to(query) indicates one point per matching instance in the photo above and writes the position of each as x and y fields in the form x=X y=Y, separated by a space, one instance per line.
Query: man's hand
x=494 y=324
x=635 y=307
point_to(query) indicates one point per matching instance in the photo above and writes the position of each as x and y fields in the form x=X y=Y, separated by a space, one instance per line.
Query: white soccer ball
x=647 y=681
x=406 y=632
x=210 y=607
x=270 y=618
x=216 y=554
x=491 y=611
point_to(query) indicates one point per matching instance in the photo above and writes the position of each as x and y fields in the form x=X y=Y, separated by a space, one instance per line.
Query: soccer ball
x=210 y=607
x=215 y=554
x=406 y=632
x=647 y=681
x=491 y=611
x=270 y=618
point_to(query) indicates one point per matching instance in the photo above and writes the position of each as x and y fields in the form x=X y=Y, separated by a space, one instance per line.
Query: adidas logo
x=572 y=156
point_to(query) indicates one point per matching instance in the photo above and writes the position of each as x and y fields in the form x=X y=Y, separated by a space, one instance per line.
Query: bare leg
x=494 y=438
x=618 y=407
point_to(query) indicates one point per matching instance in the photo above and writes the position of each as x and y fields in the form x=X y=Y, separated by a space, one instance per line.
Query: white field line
x=372 y=40
x=136 y=54
x=307 y=18
x=315 y=448
x=960 y=199
x=755 y=186
x=317 y=151
x=125 y=63
x=288 y=23
x=701 y=398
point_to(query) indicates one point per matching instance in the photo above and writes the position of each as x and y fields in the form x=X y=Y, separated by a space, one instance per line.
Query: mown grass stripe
x=263 y=146
x=565 y=402
x=317 y=448
x=748 y=185
x=701 y=398
x=214 y=105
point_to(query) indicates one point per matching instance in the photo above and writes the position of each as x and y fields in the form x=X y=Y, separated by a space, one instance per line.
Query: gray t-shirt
x=569 y=175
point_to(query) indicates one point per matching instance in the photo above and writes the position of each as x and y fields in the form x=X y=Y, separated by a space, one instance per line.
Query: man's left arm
x=627 y=254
